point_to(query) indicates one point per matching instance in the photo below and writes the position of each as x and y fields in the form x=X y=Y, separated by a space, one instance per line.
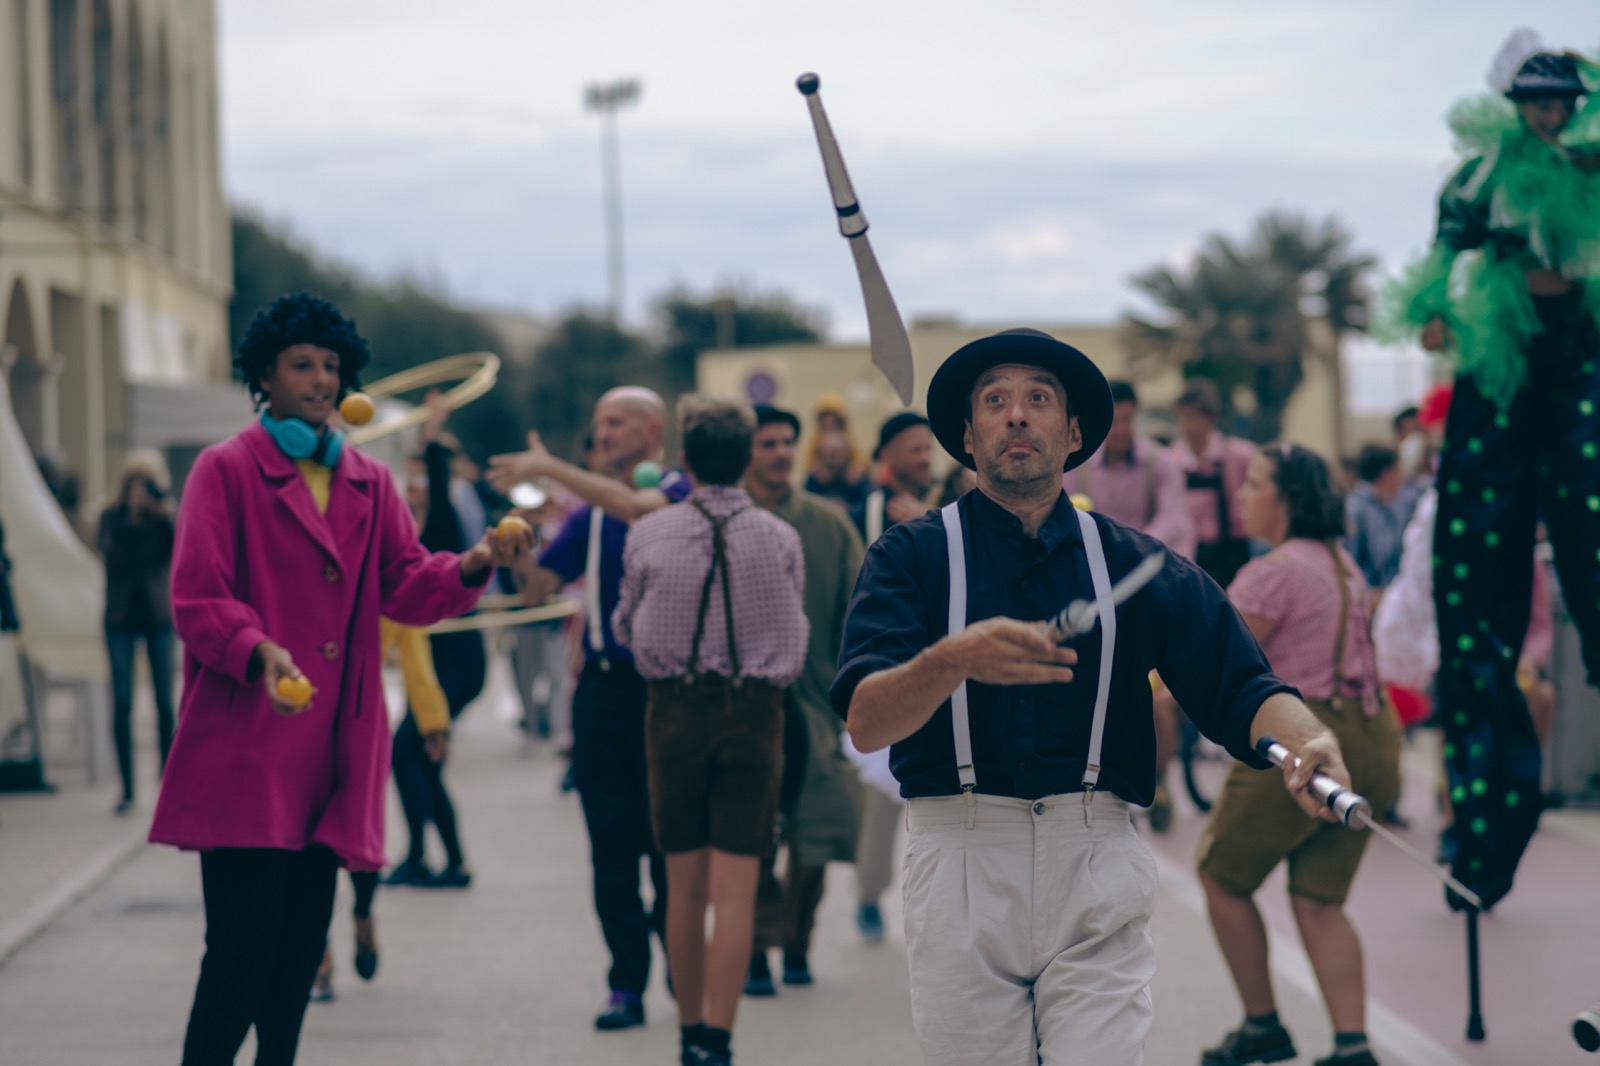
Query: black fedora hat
x=950 y=391
x=1546 y=74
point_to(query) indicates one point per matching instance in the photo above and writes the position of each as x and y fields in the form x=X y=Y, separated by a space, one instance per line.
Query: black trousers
x=459 y=662
x=267 y=915
x=365 y=884
x=1500 y=472
x=608 y=768
x=120 y=648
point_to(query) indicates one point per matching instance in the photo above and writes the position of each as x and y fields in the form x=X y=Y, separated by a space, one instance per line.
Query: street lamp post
x=607 y=99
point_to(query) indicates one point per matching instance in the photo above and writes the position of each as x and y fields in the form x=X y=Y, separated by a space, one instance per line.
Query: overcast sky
x=1017 y=160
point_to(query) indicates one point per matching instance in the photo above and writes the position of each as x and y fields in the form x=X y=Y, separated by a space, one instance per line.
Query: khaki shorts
x=715 y=754
x=1256 y=824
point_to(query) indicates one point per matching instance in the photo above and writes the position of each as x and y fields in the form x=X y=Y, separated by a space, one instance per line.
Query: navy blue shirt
x=1032 y=740
x=568 y=555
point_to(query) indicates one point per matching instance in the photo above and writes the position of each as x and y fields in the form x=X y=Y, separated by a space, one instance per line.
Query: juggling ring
x=476 y=372
x=548 y=611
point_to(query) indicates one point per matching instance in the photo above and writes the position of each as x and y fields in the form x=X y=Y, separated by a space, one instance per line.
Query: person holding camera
x=135 y=541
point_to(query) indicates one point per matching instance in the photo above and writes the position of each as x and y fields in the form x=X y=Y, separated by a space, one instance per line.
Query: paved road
x=511 y=971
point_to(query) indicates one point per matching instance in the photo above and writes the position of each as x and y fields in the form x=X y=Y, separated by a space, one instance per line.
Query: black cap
x=767 y=415
x=950 y=391
x=896 y=425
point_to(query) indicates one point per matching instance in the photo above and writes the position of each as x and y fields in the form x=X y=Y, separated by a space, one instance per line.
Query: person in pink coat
x=290 y=546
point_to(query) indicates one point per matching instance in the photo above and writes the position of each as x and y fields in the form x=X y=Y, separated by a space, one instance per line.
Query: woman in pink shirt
x=1304 y=601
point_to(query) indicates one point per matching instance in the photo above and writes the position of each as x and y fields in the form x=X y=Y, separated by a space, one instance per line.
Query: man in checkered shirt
x=712 y=607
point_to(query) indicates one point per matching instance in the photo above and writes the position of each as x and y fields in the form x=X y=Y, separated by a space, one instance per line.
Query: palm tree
x=1242 y=314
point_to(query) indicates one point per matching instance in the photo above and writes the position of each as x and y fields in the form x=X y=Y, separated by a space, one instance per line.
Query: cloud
x=1017 y=161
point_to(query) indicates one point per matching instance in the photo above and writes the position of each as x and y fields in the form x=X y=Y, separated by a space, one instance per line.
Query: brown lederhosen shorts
x=714 y=749
x=1256 y=824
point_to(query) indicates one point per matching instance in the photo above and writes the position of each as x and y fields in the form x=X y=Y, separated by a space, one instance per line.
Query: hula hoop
x=545 y=612
x=476 y=372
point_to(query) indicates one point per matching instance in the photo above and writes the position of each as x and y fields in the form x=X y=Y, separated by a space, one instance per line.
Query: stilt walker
x=1511 y=290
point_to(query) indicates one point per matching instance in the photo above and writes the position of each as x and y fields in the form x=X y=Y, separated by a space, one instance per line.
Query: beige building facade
x=115 y=257
x=797 y=377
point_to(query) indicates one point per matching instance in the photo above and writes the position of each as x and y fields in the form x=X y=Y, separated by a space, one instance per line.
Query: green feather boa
x=1534 y=188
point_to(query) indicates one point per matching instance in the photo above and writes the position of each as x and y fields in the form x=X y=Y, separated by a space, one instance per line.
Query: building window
x=24 y=90
x=105 y=125
x=137 y=148
x=64 y=100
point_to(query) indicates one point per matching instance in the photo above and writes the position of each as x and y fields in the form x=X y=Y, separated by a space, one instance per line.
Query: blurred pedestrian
x=834 y=472
x=905 y=457
x=135 y=539
x=608 y=705
x=1214 y=465
x=714 y=727
x=427 y=705
x=819 y=800
x=1305 y=603
x=1376 y=513
x=460 y=664
x=905 y=450
x=1138 y=483
x=1135 y=481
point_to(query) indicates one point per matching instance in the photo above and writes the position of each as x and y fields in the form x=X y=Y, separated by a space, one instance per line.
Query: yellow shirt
x=423 y=692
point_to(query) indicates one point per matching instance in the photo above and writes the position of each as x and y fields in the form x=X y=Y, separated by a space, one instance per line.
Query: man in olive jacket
x=820 y=825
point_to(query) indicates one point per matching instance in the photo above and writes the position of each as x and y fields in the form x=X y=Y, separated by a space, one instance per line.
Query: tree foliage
x=409 y=322
x=1240 y=314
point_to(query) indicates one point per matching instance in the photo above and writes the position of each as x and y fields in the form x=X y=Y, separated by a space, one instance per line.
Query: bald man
x=608 y=758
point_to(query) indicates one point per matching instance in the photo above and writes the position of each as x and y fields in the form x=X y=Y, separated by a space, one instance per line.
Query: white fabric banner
x=58 y=583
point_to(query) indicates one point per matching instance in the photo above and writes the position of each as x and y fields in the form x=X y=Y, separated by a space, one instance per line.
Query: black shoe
x=759 y=980
x=409 y=872
x=451 y=877
x=124 y=807
x=624 y=1010
x=366 y=949
x=1360 y=1058
x=796 y=971
x=1243 y=1046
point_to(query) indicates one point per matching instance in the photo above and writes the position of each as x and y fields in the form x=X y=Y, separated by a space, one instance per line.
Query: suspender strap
x=591 y=583
x=959 y=719
x=1369 y=703
x=958 y=621
x=1108 y=643
x=719 y=557
x=875 y=500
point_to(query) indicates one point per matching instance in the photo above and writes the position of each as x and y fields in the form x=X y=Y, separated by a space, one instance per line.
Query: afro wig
x=299 y=319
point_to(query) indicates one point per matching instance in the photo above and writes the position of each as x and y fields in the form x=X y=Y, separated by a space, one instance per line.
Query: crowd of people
x=776 y=677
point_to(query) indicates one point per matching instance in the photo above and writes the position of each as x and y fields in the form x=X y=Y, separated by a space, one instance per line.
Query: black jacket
x=138 y=558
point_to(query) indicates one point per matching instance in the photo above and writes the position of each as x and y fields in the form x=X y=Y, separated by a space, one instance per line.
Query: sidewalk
x=55 y=846
x=512 y=970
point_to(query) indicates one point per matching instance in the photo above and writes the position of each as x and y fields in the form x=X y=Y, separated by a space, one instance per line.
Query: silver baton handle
x=1351 y=808
x=1356 y=813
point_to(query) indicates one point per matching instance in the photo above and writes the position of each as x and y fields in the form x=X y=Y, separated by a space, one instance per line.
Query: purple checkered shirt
x=664 y=569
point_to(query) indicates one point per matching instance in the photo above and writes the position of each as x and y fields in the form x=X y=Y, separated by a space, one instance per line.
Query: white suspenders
x=959 y=721
x=591 y=588
x=875 y=500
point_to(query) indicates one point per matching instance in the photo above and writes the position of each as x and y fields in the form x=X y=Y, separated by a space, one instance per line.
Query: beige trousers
x=1028 y=934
